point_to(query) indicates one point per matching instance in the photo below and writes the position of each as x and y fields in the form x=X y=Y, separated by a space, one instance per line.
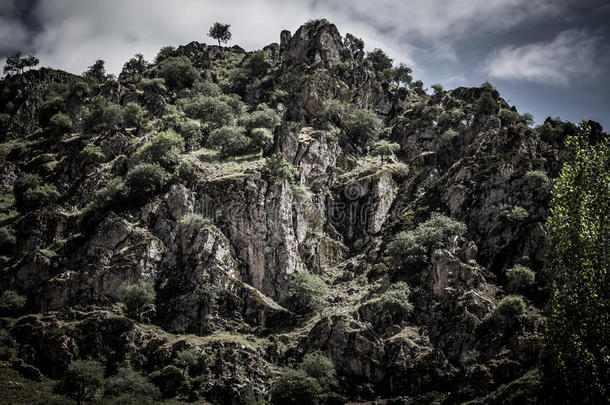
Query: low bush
x=129 y=384
x=510 y=307
x=538 y=180
x=519 y=278
x=213 y=112
x=413 y=247
x=192 y=133
x=7 y=240
x=318 y=366
x=306 y=293
x=11 y=303
x=279 y=167
x=91 y=154
x=230 y=141
x=362 y=126
x=194 y=221
x=384 y=149
x=178 y=72
x=262 y=139
x=110 y=197
x=295 y=387
x=508 y=117
x=101 y=115
x=82 y=380
x=517 y=214
x=31 y=193
x=60 y=124
x=137 y=297
x=156 y=85
x=164 y=149
x=144 y=180
x=262 y=117
x=134 y=115
x=394 y=301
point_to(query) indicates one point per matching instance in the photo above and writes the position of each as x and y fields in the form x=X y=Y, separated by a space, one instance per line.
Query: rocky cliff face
x=337 y=219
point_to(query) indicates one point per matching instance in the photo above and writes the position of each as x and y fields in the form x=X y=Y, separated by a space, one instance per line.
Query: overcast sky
x=548 y=57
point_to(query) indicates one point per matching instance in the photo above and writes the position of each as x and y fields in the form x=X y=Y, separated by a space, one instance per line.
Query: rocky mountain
x=213 y=219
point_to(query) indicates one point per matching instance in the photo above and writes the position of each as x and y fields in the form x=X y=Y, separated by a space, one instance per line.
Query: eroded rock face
x=318 y=42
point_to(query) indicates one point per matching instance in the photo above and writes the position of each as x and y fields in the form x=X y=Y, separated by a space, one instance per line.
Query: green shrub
x=413 y=247
x=51 y=106
x=156 y=85
x=527 y=119
x=279 y=167
x=539 y=180
x=207 y=88
x=262 y=139
x=379 y=60
x=11 y=302
x=178 y=72
x=7 y=240
x=317 y=365
x=238 y=81
x=395 y=300
x=187 y=170
x=134 y=115
x=230 y=141
x=40 y=196
x=402 y=74
x=418 y=87
x=101 y=115
x=186 y=359
x=262 y=117
x=24 y=182
x=519 y=277
x=191 y=132
x=448 y=135
x=165 y=149
x=517 y=214
x=164 y=53
x=130 y=383
x=295 y=387
x=213 y=112
x=487 y=103
x=96 y=73
x=137 y=297
x=437 y=87
x=82 y=380
x=91 y=154
x=257 y=63
x=194 y=221
x=510 y=307
x=110 y=197
x=79 y=89
x=306 y=293
x=384 y=148
x=362 y=126
x=509 y=117
x=144 y=180
x=60 y=124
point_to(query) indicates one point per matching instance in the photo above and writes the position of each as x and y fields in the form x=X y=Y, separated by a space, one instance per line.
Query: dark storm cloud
x=535 y=51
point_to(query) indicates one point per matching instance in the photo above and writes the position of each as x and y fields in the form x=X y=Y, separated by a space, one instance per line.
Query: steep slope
x=221 y=237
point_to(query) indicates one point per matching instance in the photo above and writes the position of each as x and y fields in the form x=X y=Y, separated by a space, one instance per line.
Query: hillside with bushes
x=304 y=223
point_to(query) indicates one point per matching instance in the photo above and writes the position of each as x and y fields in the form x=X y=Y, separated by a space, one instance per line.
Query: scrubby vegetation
x=306 y=293
x=412 y=247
